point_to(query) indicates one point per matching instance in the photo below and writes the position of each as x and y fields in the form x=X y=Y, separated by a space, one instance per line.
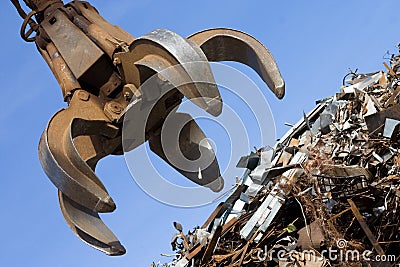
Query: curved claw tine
x=192 y=76
x=184 y=146
x=92 y=148
x=88 y=226
x=232 y=45
x=61 y=161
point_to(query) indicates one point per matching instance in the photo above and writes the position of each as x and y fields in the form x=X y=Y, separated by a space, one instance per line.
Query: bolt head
x=83 y=95
x=117 y=61
x=114 y=107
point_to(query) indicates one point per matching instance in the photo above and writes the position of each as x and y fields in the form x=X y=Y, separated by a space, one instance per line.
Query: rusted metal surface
x=40 y=5
x=90 y=13
x=79 y=52
x=232 y=45
x=61 y=159
x=88 y=226
x=211 y=245
x=62 y=72
x=102 y=71
x=365 y=227
x=376 y=122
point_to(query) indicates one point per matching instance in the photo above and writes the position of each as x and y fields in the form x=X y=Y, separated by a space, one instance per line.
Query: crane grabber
x=102 y=70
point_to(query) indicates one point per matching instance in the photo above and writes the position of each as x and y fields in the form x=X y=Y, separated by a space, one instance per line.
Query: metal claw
x=62 y=162
x=87 y=225
x=232 y=45
x=183 y=65
x=136 y=87
x=183 y=145
x=181 y=62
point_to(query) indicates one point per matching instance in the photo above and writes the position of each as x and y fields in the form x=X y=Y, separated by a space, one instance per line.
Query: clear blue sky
x=314 y=43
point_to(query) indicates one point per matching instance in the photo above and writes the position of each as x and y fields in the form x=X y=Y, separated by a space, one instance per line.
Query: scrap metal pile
x=327 y=193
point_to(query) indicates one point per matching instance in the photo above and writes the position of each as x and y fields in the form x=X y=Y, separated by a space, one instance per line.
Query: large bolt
x=83 y=95
x=117 y=61
x=116 y=108
x=113 y=110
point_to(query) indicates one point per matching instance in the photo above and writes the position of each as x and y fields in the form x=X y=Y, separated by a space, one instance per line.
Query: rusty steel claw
x=174 y=57
x=61 y=160
x=190 y=152
x=182 y=65
x=233 y=45
x=179 y=63
x=88 y=226
x=70 y=147
x=122 y=92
